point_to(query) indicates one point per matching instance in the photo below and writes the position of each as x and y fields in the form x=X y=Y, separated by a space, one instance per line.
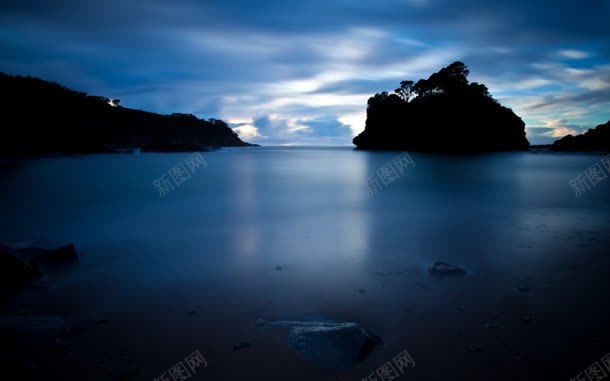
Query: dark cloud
x=326 y=126
x=589 y=97
x=540 y=130
x=238 y=59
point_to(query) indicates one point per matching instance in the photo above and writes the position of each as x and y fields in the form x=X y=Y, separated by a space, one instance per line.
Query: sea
x=182 y=253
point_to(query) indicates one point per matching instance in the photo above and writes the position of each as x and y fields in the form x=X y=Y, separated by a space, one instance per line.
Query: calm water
x=290 y=234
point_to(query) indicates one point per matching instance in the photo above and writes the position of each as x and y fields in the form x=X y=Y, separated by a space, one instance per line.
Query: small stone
x=526 y=319
x=523 y=288
x=361 y=290
x=493 y=325
x=241 y=345
x=444 y=269
x=278 y=268
x=334 y=345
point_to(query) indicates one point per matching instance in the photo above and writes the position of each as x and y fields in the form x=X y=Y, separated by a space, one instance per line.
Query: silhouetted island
x=443 y=113
x=597 y=139
x=46 y=118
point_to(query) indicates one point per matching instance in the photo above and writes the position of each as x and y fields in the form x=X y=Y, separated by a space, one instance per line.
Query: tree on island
x=442 y=113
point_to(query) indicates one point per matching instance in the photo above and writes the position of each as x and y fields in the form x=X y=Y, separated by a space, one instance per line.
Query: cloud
x=560 y=128
x=554 y=129
x=291 y=72
x=273 y=129
x=573 y=54
x=327 y=126
x=246 y=131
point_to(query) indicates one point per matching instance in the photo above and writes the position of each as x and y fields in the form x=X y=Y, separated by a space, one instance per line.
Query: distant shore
x=47 y=118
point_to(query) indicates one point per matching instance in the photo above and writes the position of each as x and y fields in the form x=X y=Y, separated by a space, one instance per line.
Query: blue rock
x=444 y=269
x=332 y=345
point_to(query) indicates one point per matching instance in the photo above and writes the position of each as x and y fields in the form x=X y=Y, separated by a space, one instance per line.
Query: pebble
x=526 y=319
x=241 y=345
x=493 y=325
x=444 y=269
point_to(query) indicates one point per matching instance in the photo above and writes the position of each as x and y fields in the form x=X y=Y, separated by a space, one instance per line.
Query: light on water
x=296 y=234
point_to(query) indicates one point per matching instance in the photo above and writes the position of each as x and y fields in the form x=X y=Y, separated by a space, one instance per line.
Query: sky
x=284 y=72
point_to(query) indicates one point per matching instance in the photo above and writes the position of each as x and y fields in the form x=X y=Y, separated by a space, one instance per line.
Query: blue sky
x=300 y=72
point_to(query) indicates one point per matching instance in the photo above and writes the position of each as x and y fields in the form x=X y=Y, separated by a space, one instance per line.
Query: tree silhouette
x=450 y=79
x=443 y=112
x=405 y=91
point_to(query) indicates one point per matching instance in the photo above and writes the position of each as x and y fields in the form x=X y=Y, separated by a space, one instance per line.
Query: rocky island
x=43 y=118
x=597 y=139
x=444 y=113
